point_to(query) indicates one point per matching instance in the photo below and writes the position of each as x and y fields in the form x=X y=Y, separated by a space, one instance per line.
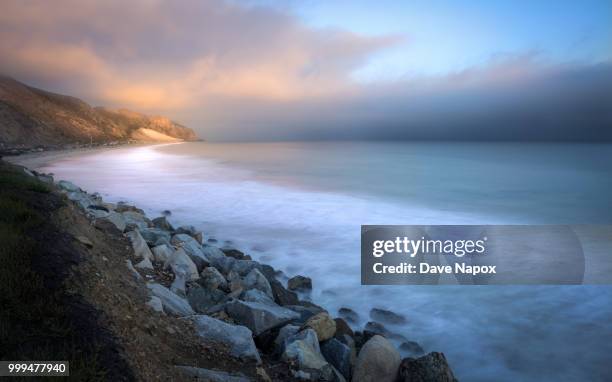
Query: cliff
x=31 y=117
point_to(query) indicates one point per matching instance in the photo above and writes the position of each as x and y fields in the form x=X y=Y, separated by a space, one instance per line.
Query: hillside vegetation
x=31 y=117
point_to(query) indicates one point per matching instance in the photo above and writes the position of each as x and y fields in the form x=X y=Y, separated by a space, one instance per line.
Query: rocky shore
x=245 y=306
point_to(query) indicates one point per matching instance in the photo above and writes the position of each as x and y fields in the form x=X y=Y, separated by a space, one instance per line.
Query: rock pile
x=239 y=303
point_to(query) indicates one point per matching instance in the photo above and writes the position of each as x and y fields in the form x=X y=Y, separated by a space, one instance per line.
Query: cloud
x=254 y=73
x=514 y=99
x=165 y=55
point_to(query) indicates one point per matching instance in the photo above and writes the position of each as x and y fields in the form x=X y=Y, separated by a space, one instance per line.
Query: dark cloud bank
x=234 y=72
x=570 y=104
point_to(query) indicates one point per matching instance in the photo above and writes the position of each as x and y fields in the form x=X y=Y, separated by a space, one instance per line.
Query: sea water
x=299 y=207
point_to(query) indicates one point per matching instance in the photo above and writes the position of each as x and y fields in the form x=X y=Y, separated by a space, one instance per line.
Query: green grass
x=35 y=324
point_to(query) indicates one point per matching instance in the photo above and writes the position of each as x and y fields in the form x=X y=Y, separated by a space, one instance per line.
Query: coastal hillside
x=31 y=117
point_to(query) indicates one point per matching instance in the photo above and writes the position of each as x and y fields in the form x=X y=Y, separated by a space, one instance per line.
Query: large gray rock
x=283 y=334
x=155 y=236
x=172 y=303
x=255 y=295
x=212 y=252
x=305 y=312
x=192 y=248
x=387 y=316
x=378 y=361
x=191 y=231
x=299 y=283
x=243 y=267
x=211 y=278
x=207 y=375
x=256 y=280
x=162 y=223
x=281 y=295
x=134 y=220
x=82 y=199
x=141 y=249
x=179 y=284
x=411 y=349
x=68 y=186
x=180 y=259
x=222 y=263
x=258 y=316
x=338 y=355
x=238 y=338
x=349 y=315
x=302 y=350
x=203 y=299
x=97 y=213
x=117 y=219
x=429 y=368
x=156 y=304
x=162 y=253
x=322 y=324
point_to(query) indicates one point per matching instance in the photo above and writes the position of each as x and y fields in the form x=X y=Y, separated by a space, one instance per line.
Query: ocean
x=299 y=207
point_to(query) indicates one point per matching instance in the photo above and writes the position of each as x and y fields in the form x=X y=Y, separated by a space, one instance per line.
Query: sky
x=310 y=69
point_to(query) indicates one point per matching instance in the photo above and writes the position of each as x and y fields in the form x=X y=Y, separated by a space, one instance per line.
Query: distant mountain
x=31 y=117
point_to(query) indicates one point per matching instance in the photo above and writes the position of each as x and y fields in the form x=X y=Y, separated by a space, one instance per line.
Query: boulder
x=124 y=207
x=300 y=283
x=232 y=252
x=117 y=219
x=180 y=259
x=96 y=213
x=203 y=299
x=191 y=231
x=68 y=186
x=377 y=328
x=172 y=303
x=255 y=295
x=192 y=248
x=81 y=199
x=378 y=361
x=258 y=316
x=134 y=220
x=338 y=355
x=322 y=324
x=212 y=252
x=180 y=280
x=429 y=368
x=133 y=270
x=45 y=178
x=162 y=223
x=211 y=278
x=305 y=312
x=243 y=267
x=222 y=263
x=208 y=375
x=255 y=280
x=411 y=348
x=141 y=249
x=162 y=253
x=155 y=236
x=302 y=350
x=284 y=333
x=235 y=282
x=387 y=316
x=156 y=304
x=349 y=315
x=281 y=295
x=343 y=328
x=239 y=339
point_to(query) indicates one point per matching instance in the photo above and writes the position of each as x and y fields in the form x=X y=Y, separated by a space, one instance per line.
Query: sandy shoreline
x=36 y=160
